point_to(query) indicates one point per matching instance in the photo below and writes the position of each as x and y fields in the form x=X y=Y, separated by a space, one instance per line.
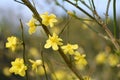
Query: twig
x=80 y=9
x=85 y=12
x=57 y=3
x=93 y=5
x=86 y=5
x=89 y=26
x=100 y=22
x=43 y=64
x=64 y=27
x=19 y=2
x=107 y=9
x=36 y=14
x=24 y=54
x=74 y=70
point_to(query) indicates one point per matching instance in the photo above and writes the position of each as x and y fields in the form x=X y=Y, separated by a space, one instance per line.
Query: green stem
x=93 y=5
x=115 y=21
x=44 y=65
x=24 y=54
x=107 y=9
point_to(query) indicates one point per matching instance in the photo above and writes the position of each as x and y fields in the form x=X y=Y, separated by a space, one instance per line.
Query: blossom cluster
x=47 y=20
x=19 y=66
x=111 y=59
x=13 y=43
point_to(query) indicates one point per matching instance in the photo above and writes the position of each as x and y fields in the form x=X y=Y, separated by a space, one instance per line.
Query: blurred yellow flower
x=53 y=42
x=34 y=52
x=32 y=25
x=48 y=20
x=6 y=71
x=80 y=59
x=101 y=58
x=113 y=60
x=41 y=70
x=69 y=48
x=59 y=74
x=87 y=78
x=18 y=67
x=13 y=42
x=35 y=64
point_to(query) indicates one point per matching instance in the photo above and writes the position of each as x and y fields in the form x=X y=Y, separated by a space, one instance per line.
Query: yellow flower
x=113 y=60
x=69 y=48
x=18 y=67
x=35 y=64
x=12 y=43
x=80 y=59
x=101 y=58
x=48 y=20
x=87 y=78
x=32 y=26
x=53 y=42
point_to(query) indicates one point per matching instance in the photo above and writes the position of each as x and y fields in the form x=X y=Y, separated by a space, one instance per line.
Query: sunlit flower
x=80 y=59
x=48 y=20
x=69 y=48
x=101 y=58
x=53 y=42
x=13 y=42
x=18 y=67
x=35 y=64
x=113 y=60
x=32 y=25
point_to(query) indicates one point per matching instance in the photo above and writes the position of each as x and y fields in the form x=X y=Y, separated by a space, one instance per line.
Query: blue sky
x=6 y=5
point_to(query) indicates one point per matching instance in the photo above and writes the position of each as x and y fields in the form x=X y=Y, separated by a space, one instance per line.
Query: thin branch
x=89 y=26
x=58 y=4
x=64 y=27
x=93 y=5
x=107 y=9
x=95 y=12
x=80 y=9
x=85 y=12
x=83 y=2
x=44 y=65
x=19 y=2
x=90 y=4
x=36 y=14
x=24 y=54
x=100 y=22
x=75 y=71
